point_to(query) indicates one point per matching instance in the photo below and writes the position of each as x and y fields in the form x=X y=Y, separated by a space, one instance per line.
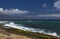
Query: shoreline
x=9 y=34
x=29 y=35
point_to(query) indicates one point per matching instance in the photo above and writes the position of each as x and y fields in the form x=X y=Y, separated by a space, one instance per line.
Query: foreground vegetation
x=30 y=34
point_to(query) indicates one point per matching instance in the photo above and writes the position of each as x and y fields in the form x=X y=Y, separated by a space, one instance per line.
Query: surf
x=22 y=27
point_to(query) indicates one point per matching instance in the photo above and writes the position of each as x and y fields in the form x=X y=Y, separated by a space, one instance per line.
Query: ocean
x=45 y=27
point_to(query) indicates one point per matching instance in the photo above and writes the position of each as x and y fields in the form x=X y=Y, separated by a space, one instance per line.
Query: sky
x=36 y=9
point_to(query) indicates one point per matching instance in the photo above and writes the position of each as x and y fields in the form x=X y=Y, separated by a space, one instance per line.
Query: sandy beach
x=11 y=33
x=7 y=35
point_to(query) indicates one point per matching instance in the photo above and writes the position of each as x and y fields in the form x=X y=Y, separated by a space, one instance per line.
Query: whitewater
x=22 y=27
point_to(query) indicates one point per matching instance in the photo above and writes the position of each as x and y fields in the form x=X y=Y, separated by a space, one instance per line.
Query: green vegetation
x=30 y=34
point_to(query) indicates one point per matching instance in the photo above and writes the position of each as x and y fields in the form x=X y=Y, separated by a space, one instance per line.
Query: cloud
x=57 y=4
x=12 y=11
x=44 y=5
x=49 y=15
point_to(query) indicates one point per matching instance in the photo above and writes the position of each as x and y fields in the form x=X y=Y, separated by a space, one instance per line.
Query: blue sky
x=33 y=8
x=33 y=5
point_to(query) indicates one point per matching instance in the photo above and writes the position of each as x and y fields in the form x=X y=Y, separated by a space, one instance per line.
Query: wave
x=19 y=26
x=3 y=22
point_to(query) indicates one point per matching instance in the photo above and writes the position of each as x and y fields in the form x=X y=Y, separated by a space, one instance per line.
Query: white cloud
x=49 y=15
x=12 y=11
x=57 y=4
x=44 y=5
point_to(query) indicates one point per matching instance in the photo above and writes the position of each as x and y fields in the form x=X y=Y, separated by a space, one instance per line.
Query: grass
x=30 y=34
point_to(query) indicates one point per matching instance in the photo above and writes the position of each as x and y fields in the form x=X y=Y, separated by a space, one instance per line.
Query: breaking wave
x=19 y=26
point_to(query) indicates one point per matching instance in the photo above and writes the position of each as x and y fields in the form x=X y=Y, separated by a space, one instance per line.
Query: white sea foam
x=3 y=21
x=13 y=25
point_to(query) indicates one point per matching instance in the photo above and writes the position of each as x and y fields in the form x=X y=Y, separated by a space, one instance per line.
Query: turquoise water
x=45 y=27
x=53 y=26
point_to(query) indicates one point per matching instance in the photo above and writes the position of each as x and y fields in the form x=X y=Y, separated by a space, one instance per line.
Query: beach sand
x=7 y=35
x=11 y=33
